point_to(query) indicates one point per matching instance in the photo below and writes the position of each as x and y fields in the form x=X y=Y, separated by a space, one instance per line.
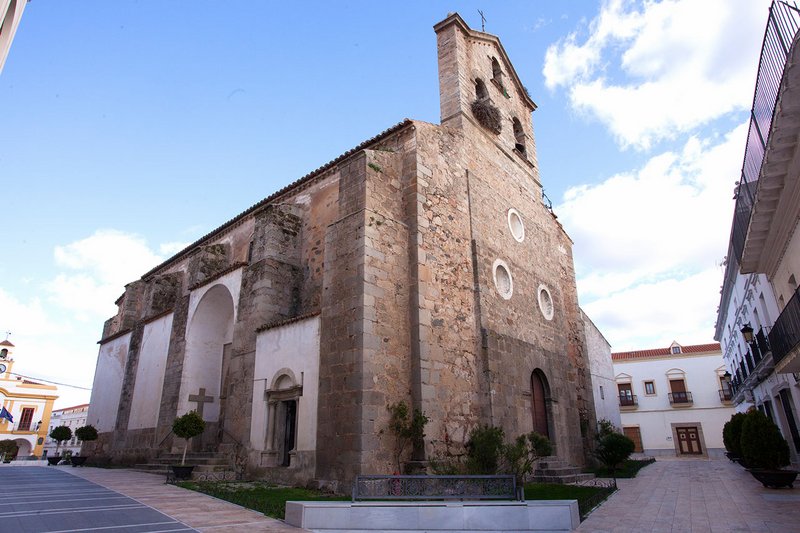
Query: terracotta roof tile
x=6 y=343
x=661 y=352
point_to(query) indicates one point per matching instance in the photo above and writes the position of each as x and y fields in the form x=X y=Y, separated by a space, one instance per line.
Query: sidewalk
x=696 y=495
x=199 y=511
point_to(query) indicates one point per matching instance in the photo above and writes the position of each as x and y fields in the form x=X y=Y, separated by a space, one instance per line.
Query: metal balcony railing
x=785 y=333
x=680 y=397
x=627 y=401
x=782 y=25
x=725 y=395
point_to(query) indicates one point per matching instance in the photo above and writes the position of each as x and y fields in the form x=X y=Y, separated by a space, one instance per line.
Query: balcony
x=680 y=398
x=725 y=396
x=784 y=338
x=628 y=401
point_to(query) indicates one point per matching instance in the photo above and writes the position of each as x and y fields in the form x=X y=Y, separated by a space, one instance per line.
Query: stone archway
x=541 y=408
x=209 y=334
x=25 y=448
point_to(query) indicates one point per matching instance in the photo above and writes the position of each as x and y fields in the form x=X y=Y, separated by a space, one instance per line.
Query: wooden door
x=539 y=406
x=635 y=435
x=689 y=441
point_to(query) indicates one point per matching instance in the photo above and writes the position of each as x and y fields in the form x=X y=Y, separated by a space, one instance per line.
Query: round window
x=502 y=279
x=515 y=225
x=545 y=302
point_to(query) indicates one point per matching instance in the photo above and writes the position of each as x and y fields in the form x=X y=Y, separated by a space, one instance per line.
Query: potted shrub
x=732 y=436
x=8 y=450
x=187 y=426
x=85 y=434
x=59 y=434
x=765 y=451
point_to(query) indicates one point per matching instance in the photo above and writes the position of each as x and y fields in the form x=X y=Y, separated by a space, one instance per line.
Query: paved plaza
x=63 y=499
x=697 y=496
x=694 y=495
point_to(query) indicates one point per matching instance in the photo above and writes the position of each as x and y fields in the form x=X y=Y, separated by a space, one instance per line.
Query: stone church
x=422 y=265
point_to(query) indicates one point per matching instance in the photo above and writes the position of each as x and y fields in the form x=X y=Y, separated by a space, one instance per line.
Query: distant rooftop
x=668 y=351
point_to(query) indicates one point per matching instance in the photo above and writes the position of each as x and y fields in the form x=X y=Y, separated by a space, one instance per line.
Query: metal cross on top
x=201 y=399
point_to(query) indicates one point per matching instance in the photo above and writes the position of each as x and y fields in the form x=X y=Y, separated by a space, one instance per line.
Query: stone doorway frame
x=700 y=437
x=284 y=387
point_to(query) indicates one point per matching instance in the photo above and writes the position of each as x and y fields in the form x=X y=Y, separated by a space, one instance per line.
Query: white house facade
x=73 y=417
x=674 y=401
x=758 y=320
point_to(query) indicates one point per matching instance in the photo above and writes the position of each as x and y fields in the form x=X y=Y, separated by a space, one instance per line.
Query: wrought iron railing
x=381 y=487
x=725 y=395
x=762 y=341
x=680 y=397
x=627 y=401
x=785 y=333
x=782 y=26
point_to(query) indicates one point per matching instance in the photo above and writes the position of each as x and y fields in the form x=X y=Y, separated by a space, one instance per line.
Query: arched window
x=480 y=90
x=497 y=73
x=519 y=136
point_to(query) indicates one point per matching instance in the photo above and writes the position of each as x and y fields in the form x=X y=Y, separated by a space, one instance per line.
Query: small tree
x=187 y=426
x=613 y=450
x=732 y=434
x=484 y=449
x=408 y=428
x=8 y=449
x=60 y=434
x=519 y=457
x=762 y=444
x=86 y=433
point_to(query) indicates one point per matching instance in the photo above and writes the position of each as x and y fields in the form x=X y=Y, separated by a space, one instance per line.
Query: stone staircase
x=206 y=464
x=554 y=470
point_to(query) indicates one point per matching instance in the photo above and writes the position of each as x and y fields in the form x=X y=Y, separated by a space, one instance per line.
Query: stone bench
x=423 y=487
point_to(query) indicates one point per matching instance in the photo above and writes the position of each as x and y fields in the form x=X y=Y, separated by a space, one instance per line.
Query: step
x=564 y=471
x=563 y=480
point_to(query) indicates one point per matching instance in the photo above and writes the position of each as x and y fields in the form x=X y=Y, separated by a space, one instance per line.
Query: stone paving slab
x=198 y=511
x=696 y=495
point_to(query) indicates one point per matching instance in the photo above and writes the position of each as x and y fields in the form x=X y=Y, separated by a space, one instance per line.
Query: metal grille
x=785 y=333
x=782 y=26
x=434 y=488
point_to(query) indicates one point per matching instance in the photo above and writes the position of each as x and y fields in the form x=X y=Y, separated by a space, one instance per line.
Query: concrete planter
x=182 y=472
x=774 y=479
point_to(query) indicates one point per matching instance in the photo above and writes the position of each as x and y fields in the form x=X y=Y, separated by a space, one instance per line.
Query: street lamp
x=747 y=333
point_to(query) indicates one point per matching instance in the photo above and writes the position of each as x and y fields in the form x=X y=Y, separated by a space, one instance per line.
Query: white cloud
x=644 y=239
x=56 y=337
x=98 y=267
x=652 y=71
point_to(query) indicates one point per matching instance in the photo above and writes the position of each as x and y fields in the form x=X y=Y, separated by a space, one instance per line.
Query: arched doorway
x=540 y=403
x=209 y=335
x=24 y=448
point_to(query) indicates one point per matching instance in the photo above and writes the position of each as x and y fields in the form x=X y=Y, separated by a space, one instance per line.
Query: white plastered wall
x=606 y=400
x=212 y=315
x=296 y=347
x=107 y=385
x=150 y=373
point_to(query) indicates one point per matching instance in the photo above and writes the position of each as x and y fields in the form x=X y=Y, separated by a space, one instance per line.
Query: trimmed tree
x=86 y=433
x=8 y=449
x=732 y=434
x=187 y=426
x=613 y=450
x=60 y=434
x=484 y=449
x=762 y=444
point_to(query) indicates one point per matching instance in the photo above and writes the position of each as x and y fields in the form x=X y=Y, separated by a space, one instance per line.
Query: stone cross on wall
x=200 y=399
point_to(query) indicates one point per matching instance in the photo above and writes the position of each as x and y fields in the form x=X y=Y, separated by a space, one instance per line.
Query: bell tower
x=6 y=362
x=478 y=87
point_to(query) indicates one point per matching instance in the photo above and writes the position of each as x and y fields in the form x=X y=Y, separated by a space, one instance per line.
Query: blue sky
x=131 y=128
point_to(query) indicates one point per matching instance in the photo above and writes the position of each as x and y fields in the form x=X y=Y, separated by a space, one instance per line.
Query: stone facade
x=393 y=248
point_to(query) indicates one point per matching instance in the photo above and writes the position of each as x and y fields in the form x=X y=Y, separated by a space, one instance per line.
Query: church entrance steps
x=555 y=470
x=203 y=462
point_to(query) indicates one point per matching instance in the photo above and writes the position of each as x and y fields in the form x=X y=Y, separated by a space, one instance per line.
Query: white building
x=73 y=417
x=604 y=387
x=758 y=318
x=674 y=401
x=10 y=15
